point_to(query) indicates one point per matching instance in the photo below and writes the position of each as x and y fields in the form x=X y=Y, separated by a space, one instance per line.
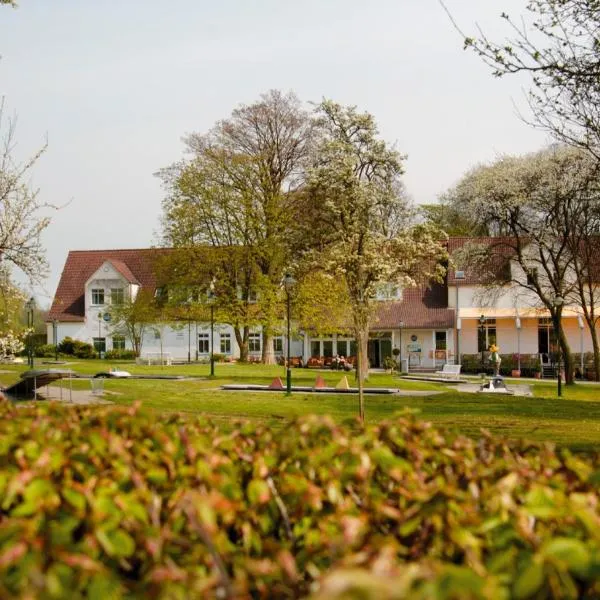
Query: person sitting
x=335 y=362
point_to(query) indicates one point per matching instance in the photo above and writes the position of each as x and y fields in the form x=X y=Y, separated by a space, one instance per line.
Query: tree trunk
x=565 y=351
x=361 y=360
x=596 y=348
x=241 y=337
x=268 y=350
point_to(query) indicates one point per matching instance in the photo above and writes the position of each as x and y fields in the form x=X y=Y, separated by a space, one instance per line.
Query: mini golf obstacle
x=34 y=379
x=319 y=387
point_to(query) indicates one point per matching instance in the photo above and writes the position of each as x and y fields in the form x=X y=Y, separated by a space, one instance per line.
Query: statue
x=495 y=359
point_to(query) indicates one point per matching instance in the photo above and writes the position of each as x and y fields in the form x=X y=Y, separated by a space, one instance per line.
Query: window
x=486 y=336
x=315 y=348
x=252 y=296
x=225 y=343
x=97 y=296
x=328 y=348
x=203 y=343
x=117 y=296
x=440 y=340
x=278 y=344
x=118 y=342
x=99 y=344
x=388 y=291
x=531 y=276
x=254 y=342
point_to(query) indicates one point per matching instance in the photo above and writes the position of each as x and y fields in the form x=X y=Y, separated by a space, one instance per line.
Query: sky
x=114 y=85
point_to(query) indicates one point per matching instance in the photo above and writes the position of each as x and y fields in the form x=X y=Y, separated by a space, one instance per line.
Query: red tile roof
x=137 y=266
x=122 y=268
x=502 y=249
x=421 y=307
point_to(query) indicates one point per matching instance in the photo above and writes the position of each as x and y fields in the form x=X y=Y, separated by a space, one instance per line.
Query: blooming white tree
x=21 y=223
x=362 y=223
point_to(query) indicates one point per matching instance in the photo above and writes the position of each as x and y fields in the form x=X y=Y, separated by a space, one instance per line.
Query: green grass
x=572 y=421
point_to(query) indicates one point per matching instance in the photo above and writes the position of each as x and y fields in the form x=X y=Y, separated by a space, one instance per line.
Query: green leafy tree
x=236 y=191
x=362 y=226
x=133 y=317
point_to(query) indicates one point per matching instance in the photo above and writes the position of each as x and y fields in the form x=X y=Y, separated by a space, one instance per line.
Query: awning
x=513 y=313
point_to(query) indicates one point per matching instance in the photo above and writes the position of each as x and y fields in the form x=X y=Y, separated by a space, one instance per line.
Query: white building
x=430 y=325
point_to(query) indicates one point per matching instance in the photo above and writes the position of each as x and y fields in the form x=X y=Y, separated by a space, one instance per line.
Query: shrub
x=67 y=346
x=389 y=363
x=120 y=355
x=105 y=502
x=76 y=348
x=46 y=351
x=83 y=350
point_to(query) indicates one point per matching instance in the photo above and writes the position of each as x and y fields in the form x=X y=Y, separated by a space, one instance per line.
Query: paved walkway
x=475 y=388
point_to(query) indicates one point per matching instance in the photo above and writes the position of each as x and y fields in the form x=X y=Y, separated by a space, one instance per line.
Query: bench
x=449 y=370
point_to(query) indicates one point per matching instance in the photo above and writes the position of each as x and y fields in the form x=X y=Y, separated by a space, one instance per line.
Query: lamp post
x=30 y=305
x=400 y=326
x=288 y=284
x=558 y=302
x=55 y=336
x=211 y=294
x=482 y=338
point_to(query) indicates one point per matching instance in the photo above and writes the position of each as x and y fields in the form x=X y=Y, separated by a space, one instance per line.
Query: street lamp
x=288 y=284
x=55 y=335
x=211 y=295
x=30 y=306
x=400 y=326
x=558 y=302
x=482 y=338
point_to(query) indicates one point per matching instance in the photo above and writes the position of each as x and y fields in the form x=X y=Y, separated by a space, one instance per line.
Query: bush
x=67 y=346
x=120 y=355
x=83 y=350
x=76 y=348
x=46 y=351
x=114 y=503
x=389 y=363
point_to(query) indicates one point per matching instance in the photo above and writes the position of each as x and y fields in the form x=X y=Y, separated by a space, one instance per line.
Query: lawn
x=572 y=421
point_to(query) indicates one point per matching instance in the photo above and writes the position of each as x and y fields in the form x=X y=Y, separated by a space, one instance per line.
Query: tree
x=556 y=44
x=237 y=191
x=133 y=317
x=451 y=219
x=532 y=204
x=362 y=226
x=21 y=225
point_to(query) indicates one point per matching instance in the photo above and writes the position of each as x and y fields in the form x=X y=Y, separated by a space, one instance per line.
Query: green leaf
x=258 y=492
x=529 y=581
x=117 y=543
x=74 y=498
x=572 y=552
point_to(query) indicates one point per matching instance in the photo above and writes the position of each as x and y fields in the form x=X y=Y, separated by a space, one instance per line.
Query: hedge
x=113 y=503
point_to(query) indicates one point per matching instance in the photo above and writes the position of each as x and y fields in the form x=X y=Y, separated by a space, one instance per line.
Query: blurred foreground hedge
x=111 y=503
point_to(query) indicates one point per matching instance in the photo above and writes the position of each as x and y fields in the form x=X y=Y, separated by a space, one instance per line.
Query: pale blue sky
x=115 y=85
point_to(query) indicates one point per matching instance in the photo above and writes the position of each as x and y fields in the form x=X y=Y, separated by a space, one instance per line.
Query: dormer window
x=388 y=291
x=97 y=296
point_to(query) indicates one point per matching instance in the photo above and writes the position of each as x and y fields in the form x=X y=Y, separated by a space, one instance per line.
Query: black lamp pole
x=212 y=340
x=55 y=323
x=401 y=325
x=482 y=332
x=30 y=306
x=288 y=283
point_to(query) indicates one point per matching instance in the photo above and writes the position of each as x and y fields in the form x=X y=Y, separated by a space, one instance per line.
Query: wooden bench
x=449 y=370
